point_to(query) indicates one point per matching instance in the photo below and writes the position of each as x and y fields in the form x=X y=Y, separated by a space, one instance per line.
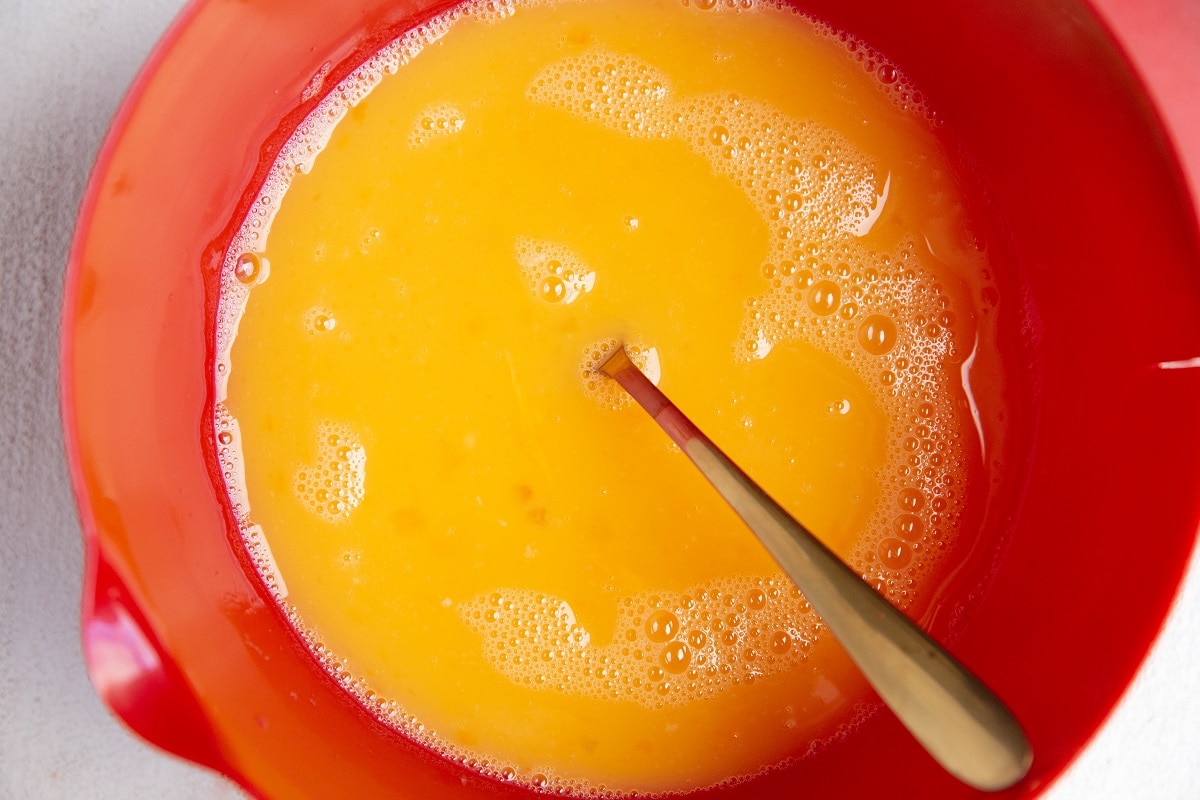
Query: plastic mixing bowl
x=1102 y=287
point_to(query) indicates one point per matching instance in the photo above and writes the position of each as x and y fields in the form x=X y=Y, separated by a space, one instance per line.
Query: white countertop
x=64 y=66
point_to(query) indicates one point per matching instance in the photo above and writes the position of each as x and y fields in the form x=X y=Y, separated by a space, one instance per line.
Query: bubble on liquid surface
x=877 y=334
x=251 y=269
x=435 y=122
x=553 y=271
x=708 y=633
x=333 y=485
x=603 y=389
x=661 y=626
x=318 y=320
x=908 y=527
x=228 y=433
x=824 y=298
x=894 y=553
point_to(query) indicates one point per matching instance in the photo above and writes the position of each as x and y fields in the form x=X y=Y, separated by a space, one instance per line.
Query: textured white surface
x=64 y=65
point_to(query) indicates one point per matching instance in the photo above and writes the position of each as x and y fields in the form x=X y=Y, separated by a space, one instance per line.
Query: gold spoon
x=950 y=712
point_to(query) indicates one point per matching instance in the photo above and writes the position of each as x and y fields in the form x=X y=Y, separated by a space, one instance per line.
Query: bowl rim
x=99 y=583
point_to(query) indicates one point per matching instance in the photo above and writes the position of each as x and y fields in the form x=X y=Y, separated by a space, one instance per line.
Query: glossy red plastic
x=1103 y=278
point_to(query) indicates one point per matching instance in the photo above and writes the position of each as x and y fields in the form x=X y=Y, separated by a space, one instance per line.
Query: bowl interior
x=1102 y=289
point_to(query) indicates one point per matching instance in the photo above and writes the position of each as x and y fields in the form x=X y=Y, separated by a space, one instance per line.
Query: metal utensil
x=950 y=712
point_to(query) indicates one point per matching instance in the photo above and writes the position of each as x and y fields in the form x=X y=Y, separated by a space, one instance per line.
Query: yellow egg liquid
x=480 y=536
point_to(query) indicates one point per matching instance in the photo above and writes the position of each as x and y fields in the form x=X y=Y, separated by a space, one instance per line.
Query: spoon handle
x=946 y=708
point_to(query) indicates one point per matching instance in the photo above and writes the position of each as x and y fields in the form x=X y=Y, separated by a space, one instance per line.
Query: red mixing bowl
x=1102 y=273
